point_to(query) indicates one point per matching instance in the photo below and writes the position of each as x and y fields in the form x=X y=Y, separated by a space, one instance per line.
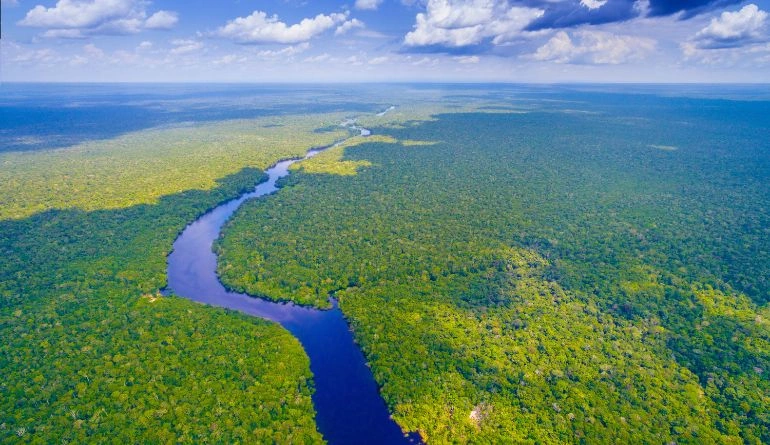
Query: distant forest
x=544 y=266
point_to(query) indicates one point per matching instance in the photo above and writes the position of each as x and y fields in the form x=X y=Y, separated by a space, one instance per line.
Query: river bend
x=349 y=407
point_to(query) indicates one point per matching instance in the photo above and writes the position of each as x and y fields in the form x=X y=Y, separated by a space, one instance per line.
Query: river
x=348 y=404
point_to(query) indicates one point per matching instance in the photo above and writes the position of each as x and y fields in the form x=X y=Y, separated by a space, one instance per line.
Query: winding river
x=349 y=408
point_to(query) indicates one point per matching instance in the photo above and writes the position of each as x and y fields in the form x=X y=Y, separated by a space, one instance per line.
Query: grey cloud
x=688 y=8
x=571 y=13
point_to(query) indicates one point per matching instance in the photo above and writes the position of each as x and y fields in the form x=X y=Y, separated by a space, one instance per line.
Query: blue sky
x=386 y=40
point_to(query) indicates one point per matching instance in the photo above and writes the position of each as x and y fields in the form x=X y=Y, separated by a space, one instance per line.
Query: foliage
x=140 y=167
x=330 y=161
x=91 y=351
x=549 y=276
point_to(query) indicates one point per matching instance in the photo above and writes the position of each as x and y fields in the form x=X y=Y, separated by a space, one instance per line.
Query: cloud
x=353 y=60
x=162 y=20
x=70 y=14
x=571 y=13
x=461 y=23
x=122 y=58
x=568 y=14
x=78 y=61
x=81 y=18
x=46 y=56
x=93 y=51
x=733 y=29
x=378 y=60
x=689 y=8
x=761 y=53
x=64 y=34
x=113 y=27
x=185 y=46
x=594 y=47
x=259 y=28
x=348 y=25
x=426 y=61
x=735 y=39
x=285 y=52
x=368 y=4
x=319 y=58
x=593 y=4
x=229 y=59
x=467 y=59
x=750 y=56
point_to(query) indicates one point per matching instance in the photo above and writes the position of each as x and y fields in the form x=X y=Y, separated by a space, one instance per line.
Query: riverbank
x=347 y=400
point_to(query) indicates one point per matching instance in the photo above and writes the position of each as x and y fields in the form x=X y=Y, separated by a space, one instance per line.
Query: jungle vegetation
x=140 y=167
x=593 y=272
x=591 y=269
x=91 y=352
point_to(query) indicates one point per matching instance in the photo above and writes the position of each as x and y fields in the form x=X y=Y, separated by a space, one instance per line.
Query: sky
x=385 y=40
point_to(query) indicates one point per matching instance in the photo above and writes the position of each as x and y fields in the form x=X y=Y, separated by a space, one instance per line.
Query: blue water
x=349 y=407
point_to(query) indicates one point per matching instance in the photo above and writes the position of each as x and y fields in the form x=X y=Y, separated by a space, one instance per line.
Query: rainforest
x=506 y=263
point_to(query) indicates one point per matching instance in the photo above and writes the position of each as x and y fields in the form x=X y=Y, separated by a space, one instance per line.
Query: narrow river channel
x=349 y=408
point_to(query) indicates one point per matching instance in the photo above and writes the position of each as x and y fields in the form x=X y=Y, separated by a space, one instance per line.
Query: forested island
x=518 y=265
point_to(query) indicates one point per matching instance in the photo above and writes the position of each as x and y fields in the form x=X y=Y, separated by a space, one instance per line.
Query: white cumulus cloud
x=185 y=46
x=733 y=29
x=162 y=20
x=79 y=14
x=261 y=28
x=458 y=23
x=80 y=18
x=594 y=47
x=368 y=4
x=593 y=4
x=736 y=39
x=348 y=25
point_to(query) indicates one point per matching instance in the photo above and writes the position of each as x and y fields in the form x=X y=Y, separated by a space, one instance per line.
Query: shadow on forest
x=87 y=342
x=41 y=253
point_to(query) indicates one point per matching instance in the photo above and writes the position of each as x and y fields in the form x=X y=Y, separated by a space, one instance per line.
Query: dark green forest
x=91 y=352
x=561 y=268
x=584 y=275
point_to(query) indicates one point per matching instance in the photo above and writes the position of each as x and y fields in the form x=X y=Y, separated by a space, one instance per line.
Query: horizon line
x=364 y=82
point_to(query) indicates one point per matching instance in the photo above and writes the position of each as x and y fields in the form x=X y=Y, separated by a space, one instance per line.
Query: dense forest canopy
x=140 y=167
x=594 y=270
x=519 y=264
x=92 y=353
